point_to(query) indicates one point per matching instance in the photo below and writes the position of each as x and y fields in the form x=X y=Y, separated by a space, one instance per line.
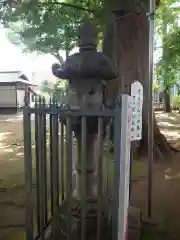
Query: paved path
x=170 y=126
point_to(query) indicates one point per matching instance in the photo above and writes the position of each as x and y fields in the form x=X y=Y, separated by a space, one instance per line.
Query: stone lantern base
x=91 y=180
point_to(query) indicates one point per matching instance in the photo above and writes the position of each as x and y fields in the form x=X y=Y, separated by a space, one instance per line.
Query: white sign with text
x=137 y=105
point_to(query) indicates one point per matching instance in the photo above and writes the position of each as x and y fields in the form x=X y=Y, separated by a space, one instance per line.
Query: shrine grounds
x=166 y=179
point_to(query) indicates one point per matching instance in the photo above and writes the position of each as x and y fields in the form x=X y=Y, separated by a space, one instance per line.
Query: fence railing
x=67 y=191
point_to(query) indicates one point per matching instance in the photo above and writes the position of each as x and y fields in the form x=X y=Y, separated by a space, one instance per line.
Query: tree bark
x=167 y=105
x=132 y=60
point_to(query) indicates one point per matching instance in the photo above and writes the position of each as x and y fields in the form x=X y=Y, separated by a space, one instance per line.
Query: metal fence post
x=69 y=168
x=37 y=168
x=117 y=142
x=41 y=172
x=84 y=177
x=124 y=167
x=28 y=172
x=100 y=177
x=64 y=219
x=152 y=7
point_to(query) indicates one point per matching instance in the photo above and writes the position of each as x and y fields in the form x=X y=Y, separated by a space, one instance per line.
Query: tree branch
x=69 y=5
x=58 y=57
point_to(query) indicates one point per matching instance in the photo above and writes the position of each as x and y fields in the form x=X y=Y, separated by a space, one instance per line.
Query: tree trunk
x=132 y=60
x=167 y=105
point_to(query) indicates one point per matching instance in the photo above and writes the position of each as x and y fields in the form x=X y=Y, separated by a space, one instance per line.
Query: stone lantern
x=87 y=72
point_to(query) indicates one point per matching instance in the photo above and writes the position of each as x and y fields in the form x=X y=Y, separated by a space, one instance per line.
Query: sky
x=12 y=59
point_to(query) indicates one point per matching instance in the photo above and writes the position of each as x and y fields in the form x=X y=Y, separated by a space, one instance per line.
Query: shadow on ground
x=165 y=200
x=11 y=178
x=169 y=124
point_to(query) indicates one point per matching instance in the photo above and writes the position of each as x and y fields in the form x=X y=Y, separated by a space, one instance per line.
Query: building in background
x=12 y=91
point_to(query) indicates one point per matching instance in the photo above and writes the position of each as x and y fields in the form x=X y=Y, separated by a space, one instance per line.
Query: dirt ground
x=166 y=180
x=11 y=178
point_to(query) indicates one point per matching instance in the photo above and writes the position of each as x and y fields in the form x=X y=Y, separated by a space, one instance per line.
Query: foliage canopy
x=168 y=30
x=48 y=26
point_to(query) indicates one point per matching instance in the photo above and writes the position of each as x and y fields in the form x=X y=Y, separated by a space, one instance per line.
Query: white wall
x=9 y=77
x=20 y=98
x=7 y=96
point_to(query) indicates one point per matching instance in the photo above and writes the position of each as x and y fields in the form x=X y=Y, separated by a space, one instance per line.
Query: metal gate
x=52 y=212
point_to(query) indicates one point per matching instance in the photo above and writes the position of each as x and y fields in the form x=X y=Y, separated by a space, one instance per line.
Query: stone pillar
x=86 y=71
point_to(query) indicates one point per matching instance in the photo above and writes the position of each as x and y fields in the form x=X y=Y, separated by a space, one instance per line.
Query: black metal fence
x=52 y=210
